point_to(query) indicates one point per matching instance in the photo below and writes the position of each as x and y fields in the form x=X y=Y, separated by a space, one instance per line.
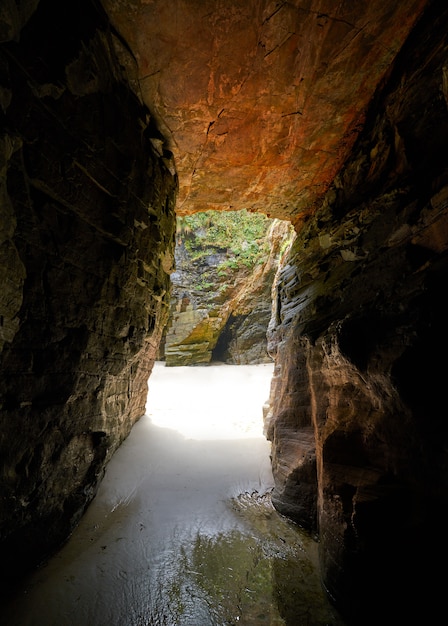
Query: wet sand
x=182 y=532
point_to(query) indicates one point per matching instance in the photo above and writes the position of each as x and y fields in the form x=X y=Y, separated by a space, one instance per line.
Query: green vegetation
x=239 y=234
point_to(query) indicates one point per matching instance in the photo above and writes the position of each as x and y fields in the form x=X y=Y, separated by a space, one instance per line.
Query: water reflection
x=182 y=531
x=261 y=572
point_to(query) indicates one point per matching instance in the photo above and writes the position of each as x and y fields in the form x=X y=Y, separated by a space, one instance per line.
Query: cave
x=220 y=352
x=116 y=117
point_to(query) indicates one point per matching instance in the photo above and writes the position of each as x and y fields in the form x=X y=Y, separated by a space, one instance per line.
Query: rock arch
x=96 y=145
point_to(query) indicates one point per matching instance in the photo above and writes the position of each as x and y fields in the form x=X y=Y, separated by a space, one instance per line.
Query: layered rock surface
x=262 y=105
x=359 y=437
x=86 y=247
x=221 y=295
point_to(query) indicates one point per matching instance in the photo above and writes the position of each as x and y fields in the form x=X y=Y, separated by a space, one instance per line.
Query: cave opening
x=348 y=111
x=221 y=288
x=221 y=350
x=220 y=309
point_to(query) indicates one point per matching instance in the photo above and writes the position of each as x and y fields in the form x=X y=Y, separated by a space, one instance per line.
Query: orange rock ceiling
x=260 y=101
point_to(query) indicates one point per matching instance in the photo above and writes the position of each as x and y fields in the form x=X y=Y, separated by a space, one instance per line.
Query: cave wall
x=87 y=188
x=86 y=247
x=359 y=332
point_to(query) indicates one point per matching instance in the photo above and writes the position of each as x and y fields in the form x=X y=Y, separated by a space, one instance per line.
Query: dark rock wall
x=358 y=416
x=86 y=247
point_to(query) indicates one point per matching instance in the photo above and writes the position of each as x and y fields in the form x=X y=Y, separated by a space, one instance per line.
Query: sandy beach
x=210 y=402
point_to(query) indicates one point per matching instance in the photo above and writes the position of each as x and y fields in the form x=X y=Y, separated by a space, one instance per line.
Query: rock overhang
x=260 y=102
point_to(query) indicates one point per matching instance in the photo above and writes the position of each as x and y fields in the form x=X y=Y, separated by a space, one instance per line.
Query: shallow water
x=182 y=531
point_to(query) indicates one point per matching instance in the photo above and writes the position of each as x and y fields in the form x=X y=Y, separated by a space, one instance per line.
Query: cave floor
x=182 y=531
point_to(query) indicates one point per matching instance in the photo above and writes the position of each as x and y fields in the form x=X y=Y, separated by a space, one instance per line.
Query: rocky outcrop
x=359 y=437
x=262 y=105
x=244 y=338
x=86 y=248
x=221 y=293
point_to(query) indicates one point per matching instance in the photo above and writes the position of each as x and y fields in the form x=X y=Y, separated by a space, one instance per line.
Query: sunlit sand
x=199 y=445
x=210 y=402
x=182 y=531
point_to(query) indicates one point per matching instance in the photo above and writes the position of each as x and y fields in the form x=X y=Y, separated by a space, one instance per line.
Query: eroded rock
x=86 y=248
x=221 y=296
x=261 y=105
x=261 y=101
x=360 y=318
